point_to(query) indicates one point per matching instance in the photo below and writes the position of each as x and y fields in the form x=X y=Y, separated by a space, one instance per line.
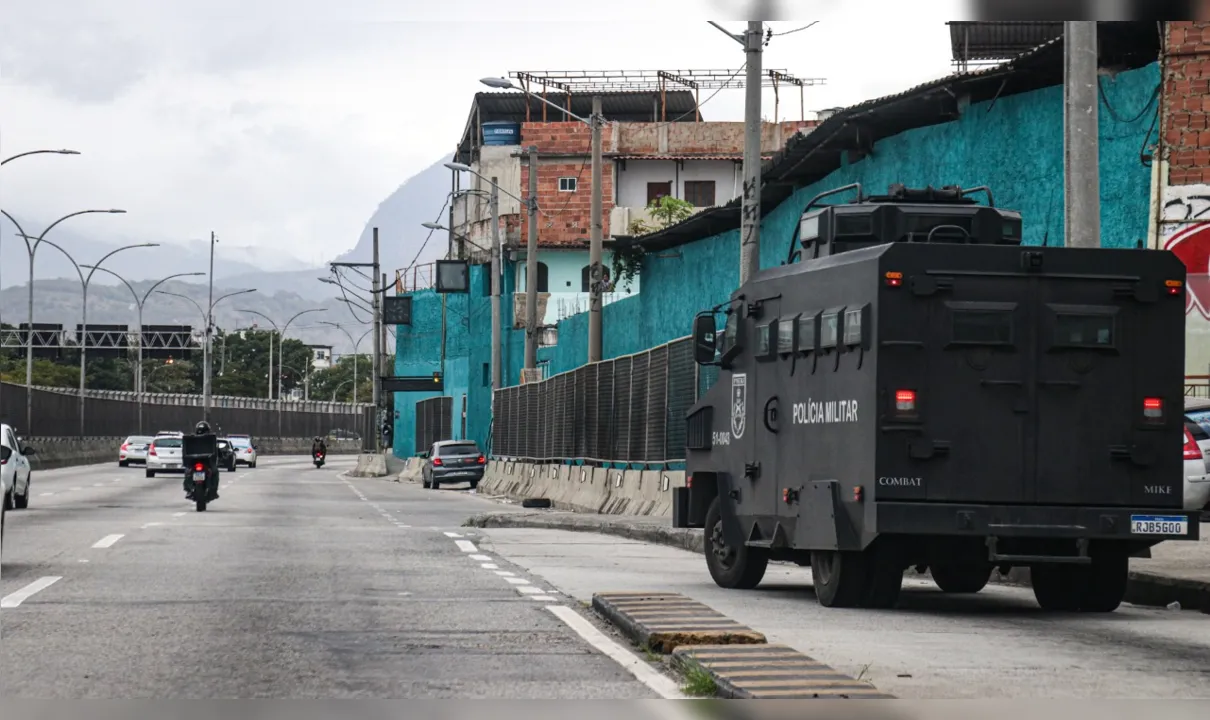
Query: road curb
x=663 y=622
x=771 y=672
x=1144 y=588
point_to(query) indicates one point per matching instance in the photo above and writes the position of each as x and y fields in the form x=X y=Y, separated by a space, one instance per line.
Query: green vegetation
x=699 y=682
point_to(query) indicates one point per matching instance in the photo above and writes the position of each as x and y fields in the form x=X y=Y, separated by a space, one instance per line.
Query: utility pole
x=377 y=308
x=531 y=266
x=1081 y=169
x=206 y=351
x=750 y=226
x=595 y=274
x=497 y=354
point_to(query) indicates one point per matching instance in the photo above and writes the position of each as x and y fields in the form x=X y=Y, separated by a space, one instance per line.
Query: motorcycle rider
x=318 y=447
x=203 y=428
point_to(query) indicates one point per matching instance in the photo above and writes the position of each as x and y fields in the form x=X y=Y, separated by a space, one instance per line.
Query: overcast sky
x=282 y=127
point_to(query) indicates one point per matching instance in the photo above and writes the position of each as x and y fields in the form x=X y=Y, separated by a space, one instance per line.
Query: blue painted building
x=1002 y=128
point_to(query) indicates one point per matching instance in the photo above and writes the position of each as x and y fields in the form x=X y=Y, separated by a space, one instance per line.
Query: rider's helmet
x=202 y=428
x=316 y=439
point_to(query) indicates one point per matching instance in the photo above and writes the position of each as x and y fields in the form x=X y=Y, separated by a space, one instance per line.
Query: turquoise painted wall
x=1014 y=145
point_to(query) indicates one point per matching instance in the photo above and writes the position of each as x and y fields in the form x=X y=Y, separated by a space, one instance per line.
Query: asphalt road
x=296 y=583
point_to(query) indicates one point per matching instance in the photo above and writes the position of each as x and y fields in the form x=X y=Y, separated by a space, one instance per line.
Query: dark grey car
x=453 y=461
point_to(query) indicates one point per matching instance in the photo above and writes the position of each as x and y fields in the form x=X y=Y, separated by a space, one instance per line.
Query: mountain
x=284 y=286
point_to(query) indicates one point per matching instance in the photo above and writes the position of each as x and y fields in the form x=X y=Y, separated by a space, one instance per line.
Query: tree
x=240 y=365
x=337 y=381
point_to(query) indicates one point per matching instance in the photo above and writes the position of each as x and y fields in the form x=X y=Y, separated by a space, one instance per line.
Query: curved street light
x=7 y=160
x=208 y=359
x=29 y=345
x=85 y=280
x=139 y=302
x=356 y=350
x=281 y=355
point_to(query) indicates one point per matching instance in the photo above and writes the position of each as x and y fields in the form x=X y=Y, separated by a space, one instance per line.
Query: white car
x=245 y=450
x=134 y=450
x=14 y=470
x=1197 y=442
x=164 y=454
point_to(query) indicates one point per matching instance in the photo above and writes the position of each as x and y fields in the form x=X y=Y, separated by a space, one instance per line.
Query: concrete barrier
x=57 y=452
x=370 y=465
x=585 y=489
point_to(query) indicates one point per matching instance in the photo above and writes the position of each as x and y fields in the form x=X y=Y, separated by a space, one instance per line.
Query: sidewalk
x=1176 y=572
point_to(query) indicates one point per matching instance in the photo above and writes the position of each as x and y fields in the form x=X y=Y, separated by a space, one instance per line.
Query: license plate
x=1159 y=524
x=199 y=477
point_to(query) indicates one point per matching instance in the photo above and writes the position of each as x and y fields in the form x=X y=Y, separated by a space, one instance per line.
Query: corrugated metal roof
x=642 y=106
x=810 y=157
x=689 y=156
x=999 y=40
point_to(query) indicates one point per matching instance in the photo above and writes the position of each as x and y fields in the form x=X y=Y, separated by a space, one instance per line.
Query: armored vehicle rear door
x=977 y=397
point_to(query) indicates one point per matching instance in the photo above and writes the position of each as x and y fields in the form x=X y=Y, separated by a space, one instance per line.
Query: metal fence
x=628 y=409
x=434 y=418
x=57 y=414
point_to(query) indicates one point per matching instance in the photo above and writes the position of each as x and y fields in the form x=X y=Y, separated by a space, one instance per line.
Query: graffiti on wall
x=1185 y=230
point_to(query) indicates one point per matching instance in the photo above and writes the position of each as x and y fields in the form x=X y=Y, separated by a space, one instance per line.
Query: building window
x=543 y=285
x=700 y=193
x=568 y=184
x=584 y=277
x=657 y=190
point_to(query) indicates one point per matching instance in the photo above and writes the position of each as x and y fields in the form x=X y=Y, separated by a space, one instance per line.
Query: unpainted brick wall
x=1187 y=102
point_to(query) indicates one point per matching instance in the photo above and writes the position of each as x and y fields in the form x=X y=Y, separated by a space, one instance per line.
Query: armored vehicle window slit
x=729 y=331
x=982 y=326
x=1090 y=329
x=786 y=339
x=766 y=339
x=855 y=327
x=807 y=338
x=829 y=330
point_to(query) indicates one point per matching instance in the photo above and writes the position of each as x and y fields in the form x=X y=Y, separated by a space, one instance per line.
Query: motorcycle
x=199 y=455
x=319 y=460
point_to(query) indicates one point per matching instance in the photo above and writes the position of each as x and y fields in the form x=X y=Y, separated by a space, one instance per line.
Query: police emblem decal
x=739 y=404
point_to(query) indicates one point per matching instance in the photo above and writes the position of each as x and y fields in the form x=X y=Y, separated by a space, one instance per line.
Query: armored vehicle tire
x=1056 y=587
x=884 y=577
x=961 y=578
x=734 y=568
x=839 y=577
x=1105 y=586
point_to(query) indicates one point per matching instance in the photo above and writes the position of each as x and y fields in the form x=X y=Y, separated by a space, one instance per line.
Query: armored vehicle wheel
x=1105 y=583
x=884 y=577
x=734 y=568
x=1057 y=587
x=840 y=577
x=961 y=578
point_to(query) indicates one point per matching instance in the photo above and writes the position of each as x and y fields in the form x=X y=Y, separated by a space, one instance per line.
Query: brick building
x=645 y=156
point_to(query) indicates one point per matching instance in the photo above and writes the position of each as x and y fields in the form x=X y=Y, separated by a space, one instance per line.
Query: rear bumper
x=162 y=466
x=132 y=457
x=459 y=475
x=1025 y=521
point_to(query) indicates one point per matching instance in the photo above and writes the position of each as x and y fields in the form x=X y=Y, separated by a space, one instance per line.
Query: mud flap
x=823 y=522
x=730 y=497
x=680 y=508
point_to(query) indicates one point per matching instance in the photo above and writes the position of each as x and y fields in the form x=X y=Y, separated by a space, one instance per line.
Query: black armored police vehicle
x=915 y=388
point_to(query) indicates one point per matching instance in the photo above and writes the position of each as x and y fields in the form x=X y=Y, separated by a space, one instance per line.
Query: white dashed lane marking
x=466 y=546
x=107 y=541
x=25 y=593
x=452 y=535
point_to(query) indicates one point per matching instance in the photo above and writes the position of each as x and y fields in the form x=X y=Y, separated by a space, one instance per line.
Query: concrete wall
x=635 y=174
x=564 y=280
x=577 y=488
x=55 y=452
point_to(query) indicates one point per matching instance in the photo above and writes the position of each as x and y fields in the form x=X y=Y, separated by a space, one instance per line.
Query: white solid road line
x=108 y=541
x=37 y=586
x=647 y=675
x=466 y=546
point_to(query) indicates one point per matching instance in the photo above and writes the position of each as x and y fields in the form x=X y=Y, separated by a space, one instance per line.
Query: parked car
x=164 y=454
x=453 y=461
x=245 y=450
x=1197 y=438
x=14 y=469
x=134 y=450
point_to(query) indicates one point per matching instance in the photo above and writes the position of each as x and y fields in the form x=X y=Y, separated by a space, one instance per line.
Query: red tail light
x=124 y=446
x=436 y=461
x=151 y=450
x=482 y=460
x=1192 y=451
x=1153 y=408
x=689 y=482
x=905 y=401
x=198 y=467
x=5 y=453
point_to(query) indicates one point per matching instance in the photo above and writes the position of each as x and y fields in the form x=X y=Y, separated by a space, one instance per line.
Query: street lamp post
x=7 y=160
x=139 y=302
x=29 y=344
x=85 y=280
x=356 y=351
x=207 y=354
x=281 y=355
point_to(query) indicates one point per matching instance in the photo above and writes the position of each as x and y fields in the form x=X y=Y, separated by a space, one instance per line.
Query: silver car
x=134 y=450
x=164 y=455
